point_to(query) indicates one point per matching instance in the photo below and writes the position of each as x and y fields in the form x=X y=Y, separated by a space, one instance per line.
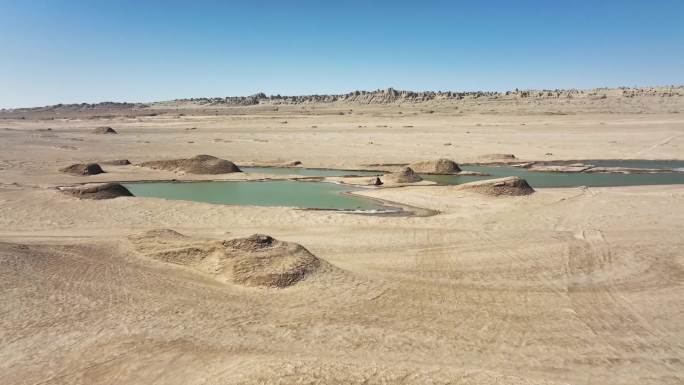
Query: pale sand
x=580 y=286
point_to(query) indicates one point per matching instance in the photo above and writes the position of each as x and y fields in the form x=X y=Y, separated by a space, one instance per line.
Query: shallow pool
x=557 y=179
x=636 y=163
x=318 y=195
x=308 y=195
x=307 y=171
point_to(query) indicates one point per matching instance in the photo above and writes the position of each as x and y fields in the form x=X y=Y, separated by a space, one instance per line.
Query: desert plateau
x=495 y=281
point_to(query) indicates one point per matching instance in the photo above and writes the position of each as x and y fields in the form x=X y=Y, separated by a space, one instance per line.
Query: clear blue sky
x=90 y=51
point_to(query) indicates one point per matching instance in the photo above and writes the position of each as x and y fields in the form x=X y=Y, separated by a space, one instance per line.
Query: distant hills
x=386 y=96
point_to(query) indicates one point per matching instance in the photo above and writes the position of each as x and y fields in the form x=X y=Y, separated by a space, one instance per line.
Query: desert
x=495 y=281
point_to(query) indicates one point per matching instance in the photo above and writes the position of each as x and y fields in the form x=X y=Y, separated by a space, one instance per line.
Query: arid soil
x=562 y=286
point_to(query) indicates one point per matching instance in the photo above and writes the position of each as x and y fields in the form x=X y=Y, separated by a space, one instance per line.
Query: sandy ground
x=578 y=286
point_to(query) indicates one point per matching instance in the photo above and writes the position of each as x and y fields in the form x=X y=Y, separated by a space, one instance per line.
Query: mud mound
x=170 y=246
x=437 y=166
x=160 y=233
x=82 y=169
x=257 y=260
x=102 y=191
x=260 y=260
x=499 y=157
x=293 y=163
x=117 y=162
x=104 y=130
x=509 y=186
x=406 y=175
x=200 y=164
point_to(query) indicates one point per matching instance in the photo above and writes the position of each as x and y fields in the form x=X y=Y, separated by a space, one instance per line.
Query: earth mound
x=256 y=261
x=199 y=164
x=82 y=169
x=499 y=157
x=117 y=162
x=438 y=166
x=102 y=191
x=293 y=163
x=104 y=130
x=509 y=186
x=260 y=260
x=406 y=175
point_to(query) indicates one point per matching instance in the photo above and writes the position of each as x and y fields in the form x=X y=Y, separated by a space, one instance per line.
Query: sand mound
x=509 y=186
x=83 y=169
x=117 y=162
x=102 y=191
x=257 y=260
x=406 y=175
x=499 y=157
x=437 y=166
x=170 y=246
x=104 y=130
x=200 y=164
x=293 y=163
x=260 y=260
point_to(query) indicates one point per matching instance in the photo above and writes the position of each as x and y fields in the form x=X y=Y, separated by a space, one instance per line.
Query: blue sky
x=90 y=51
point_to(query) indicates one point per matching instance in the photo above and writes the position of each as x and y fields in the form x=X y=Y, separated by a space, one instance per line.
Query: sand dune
x=257 y=260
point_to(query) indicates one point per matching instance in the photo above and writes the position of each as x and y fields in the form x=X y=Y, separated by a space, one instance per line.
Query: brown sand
x=257 y=260
x=104 y=130
x=101 y=191
x=509 y=186
x=564 y=286
x=199 y=164
x=82 y=169
x=437 y=166
x=117 y=162
x=403 y=176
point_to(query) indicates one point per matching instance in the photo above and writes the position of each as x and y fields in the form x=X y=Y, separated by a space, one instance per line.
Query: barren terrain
x=573 y=285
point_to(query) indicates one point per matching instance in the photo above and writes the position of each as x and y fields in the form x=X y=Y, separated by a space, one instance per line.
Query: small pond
x=306 y=195
x=557 y=179
x=329 y=196
x=301 y=171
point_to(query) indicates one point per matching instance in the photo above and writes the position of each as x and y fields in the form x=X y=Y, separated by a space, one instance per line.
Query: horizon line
x=263 y=95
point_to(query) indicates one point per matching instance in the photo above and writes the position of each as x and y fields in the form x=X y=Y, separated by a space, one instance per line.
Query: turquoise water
x=636 y=163
x=553 y=179
x=310 y=195
x=316 y=195
x=307 y=171
x=537 y=179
